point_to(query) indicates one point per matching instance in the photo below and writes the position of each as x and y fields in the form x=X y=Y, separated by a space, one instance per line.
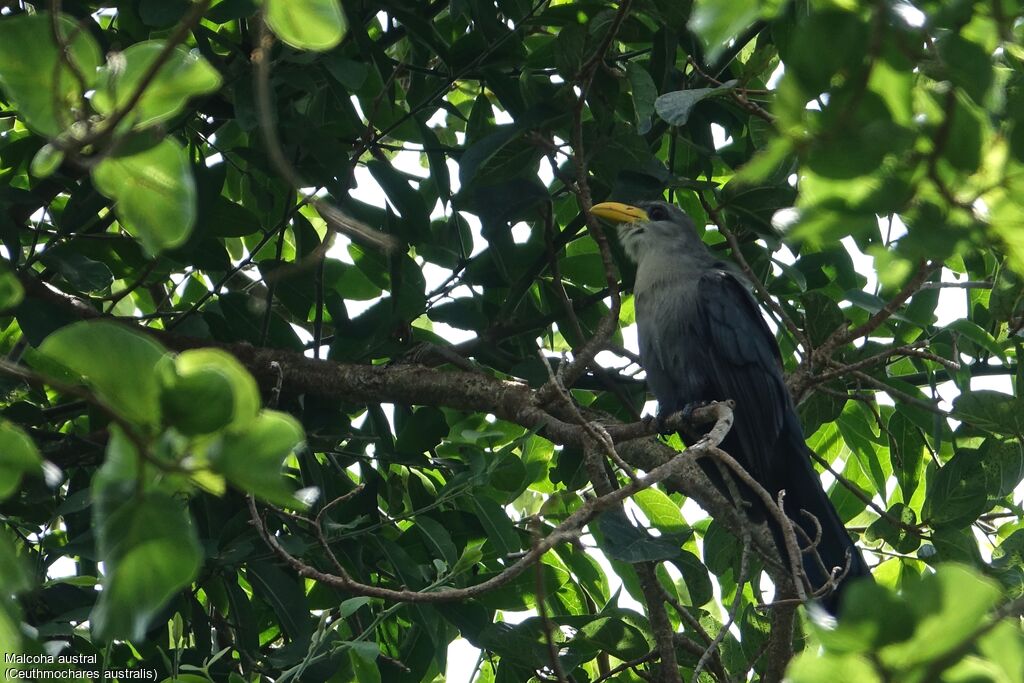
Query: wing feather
x=743 y=364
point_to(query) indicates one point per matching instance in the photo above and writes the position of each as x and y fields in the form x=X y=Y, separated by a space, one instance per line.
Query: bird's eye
x=657 y=213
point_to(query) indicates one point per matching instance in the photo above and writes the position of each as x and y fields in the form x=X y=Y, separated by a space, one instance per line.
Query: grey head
x=654 y=229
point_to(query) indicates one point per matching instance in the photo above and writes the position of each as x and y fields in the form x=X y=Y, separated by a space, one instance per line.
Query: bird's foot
x=690 y=408
x=659 y=421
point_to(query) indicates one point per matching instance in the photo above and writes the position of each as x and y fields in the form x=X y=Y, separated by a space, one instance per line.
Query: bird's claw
x=690 y=408
x=659 y=421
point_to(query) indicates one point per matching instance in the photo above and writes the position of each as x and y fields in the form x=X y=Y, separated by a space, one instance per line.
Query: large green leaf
x=150 y=551
x=307 y=24
x=250 y=456
x=207 y=389
x=906 y=449
x=18 y=456
x=992 y=411
x=949 y=605
x=661 y=511
x=675 y=107
x=717 y=22
x=155 y=193
x=184 y=75
x=628 y=542
x=117 y=362
x=956 y=494
x=42 y=86
x=11 y=291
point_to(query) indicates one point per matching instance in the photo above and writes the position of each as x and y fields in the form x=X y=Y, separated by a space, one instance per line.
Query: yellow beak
x=615 y=212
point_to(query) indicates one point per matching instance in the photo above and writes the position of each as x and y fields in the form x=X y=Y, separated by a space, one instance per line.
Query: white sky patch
x=462 y=658
x=502 y=117
x=62 y=568
x=521 y=233
x=862 y=263
x=784 y=219
x=912 y=16
x=719 y=137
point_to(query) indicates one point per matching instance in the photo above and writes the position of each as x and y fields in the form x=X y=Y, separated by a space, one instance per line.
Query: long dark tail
x=804 y=493
x=792 y=470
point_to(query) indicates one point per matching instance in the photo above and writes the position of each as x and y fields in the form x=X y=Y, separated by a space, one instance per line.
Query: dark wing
x=742 y=362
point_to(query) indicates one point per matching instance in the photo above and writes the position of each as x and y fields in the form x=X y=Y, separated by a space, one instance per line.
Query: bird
x=702 y=338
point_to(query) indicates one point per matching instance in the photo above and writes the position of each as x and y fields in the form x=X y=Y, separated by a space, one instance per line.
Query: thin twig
x=568 y=531
x=924 y=270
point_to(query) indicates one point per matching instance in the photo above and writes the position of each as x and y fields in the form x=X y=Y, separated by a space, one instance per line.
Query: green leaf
x=969 y=127
x=117 y=362
x=307 y=24
x=661 y=511
x=422 y=431
x=185 y=74
x=695 y=576
x=906 y=449
x=956 y=494
x=285 y=595
x=629 y=543
x=523 y=643
x=155 y=193
x=208 y=389
x=978 y=336
x=162 y=13
x=250 y=457
x=471 y=555
x=722 y=550
x=616 y=637
x=46 y=161
x=718 y=22
x=77 y=269
x=675 y=107
x=228 y=219
x=966 y=64
x=949 y=606
x=501 y=534
x=1007 y=295
x=499 y=155
x=992 y=411
x=230 y=10
x=896 y=536
x=18 y=456
x=437 y=538
x=871 y=616
x=363 y=657
x=39 y=83
x=352 y=605
x=953 y=544
x=812 y=61
x=150 y=551
x=15 y=575
x=1004 y=646
x=349 y=281
x=810 y=667
x=645 y=92
x=1003 y=462
x=415 y=223
x=11 y=291
x=506 y=474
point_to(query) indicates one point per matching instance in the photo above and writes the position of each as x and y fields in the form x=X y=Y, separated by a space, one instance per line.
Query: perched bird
x=702 y=338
